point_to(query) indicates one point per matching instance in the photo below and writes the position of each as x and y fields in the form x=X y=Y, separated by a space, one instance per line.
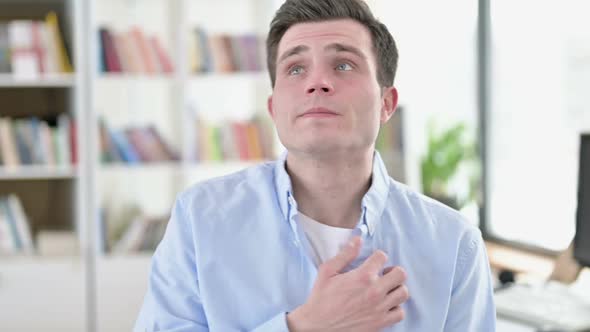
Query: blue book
x=20 y=135
x=18 y=244
x=125 y=149
x=36 y=147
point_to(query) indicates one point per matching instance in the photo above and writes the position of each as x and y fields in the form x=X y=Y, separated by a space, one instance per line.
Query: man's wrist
x=295 y=321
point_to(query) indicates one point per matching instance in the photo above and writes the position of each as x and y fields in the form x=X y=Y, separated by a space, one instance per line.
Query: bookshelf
x=38 y=172
x=67 y=203
x=129 y=193
x=53 y=81
x=41 y=186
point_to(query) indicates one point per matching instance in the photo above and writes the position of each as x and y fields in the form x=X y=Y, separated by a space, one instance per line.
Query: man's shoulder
x=253 y=178
x=424 y=209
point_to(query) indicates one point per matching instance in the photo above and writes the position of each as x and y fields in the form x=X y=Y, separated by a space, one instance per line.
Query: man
x=323 y=239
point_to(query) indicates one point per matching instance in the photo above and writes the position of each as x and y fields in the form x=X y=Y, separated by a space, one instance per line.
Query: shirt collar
x=373 y=203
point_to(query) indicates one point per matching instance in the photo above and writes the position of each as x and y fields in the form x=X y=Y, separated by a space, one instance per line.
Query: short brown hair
x=301 y=11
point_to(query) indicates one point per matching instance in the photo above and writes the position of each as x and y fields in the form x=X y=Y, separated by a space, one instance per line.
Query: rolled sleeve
x=276 y=324
x=472 y=300
x=172 y=301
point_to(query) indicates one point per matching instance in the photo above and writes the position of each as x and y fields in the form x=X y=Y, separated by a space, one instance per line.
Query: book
x=22 y=142
x=10 y=157
x=33 y=141
x=10 y=218
x=203 y=61
x=142 y=45
x=61 y=53
x=73 y=142
x=225 y=53
x=132 y=51
x=124 y=147
x=108 y=150
x=5 y=66
x=8 y=243
x=110 y=55
x=163 y=57
x=63 y=139
x=32 y=48
x=24 y=62
x=21 y=223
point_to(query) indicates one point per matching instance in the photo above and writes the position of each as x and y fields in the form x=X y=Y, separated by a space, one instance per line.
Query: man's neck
x=330 y=189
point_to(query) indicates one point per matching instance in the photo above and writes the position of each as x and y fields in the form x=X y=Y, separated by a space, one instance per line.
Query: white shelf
x=212 y=76
x=134 y=77
x=223 y=164
x=37 y=172
x=125 y=167
x=226 y=166
x=53 y=81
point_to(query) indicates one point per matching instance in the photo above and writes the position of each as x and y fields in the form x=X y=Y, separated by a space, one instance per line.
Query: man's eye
x=344 y=67
x=295 y=70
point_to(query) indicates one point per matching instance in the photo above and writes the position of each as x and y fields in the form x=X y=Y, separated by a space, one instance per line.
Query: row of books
x=128 y=230
x=252 y=140
x=30 y=49
x=132 y=52
x=224 y=53
x=32 y=141
x=137 y=144
x=15 y=234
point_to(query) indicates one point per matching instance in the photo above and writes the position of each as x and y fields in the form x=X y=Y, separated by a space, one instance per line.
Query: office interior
x=110 y=108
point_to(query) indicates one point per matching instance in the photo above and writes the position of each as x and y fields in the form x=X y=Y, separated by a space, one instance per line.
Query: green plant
x=446 y=153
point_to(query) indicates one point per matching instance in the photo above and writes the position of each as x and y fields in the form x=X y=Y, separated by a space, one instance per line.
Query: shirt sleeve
x=472 y=299
x=172 y=302
x=276 y=324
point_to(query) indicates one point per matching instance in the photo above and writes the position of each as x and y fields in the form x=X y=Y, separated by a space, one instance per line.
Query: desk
x=509 y=326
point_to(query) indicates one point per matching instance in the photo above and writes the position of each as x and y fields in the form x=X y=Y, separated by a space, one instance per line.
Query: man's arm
x=173 y=301
x=472 y=300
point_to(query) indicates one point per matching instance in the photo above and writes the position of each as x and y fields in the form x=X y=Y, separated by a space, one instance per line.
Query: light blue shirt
x=234 y=259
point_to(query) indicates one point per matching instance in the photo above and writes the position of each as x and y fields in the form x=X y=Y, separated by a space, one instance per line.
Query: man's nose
x=319 y=84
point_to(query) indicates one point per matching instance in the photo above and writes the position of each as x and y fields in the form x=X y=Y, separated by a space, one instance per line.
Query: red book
x=110 y=53
x=241 y=137
x=38 y=46
x=144 y=51
x=163 y=57
x=73 y=142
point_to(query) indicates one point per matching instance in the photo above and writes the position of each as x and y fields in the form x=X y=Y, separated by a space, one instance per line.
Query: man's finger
x=374 y=263
x=391 y=280
x=346 y=255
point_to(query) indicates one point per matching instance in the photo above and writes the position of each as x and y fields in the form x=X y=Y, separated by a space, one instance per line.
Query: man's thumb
x=346 y=255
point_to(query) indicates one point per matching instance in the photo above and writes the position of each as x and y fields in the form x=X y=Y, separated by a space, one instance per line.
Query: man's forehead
x=346 y=32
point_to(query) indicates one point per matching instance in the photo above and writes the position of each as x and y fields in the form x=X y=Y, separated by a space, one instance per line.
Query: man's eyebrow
x=346 y=48
x=293 y=51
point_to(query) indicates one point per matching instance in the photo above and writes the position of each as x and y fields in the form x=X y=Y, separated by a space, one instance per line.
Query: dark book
x=113 y=63
x=21 y=138
x=5 y=66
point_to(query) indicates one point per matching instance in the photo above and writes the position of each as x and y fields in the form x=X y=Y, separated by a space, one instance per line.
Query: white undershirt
x=325 y=240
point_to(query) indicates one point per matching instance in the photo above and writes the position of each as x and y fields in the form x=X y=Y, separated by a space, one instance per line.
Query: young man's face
x=326 y=97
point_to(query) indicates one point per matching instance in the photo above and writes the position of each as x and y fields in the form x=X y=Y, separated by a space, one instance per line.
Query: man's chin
x=325 y=148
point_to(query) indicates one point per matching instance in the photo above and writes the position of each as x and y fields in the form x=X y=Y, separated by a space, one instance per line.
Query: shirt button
x=357 y=231
x=364 y=229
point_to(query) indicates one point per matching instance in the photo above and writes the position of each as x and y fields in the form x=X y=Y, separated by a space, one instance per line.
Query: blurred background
x=109 y=108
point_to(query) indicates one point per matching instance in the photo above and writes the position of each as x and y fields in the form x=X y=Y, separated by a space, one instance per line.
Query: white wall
x=541 y=67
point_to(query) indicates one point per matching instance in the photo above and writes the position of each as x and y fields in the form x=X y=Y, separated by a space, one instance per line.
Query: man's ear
x=389 y=103
x=269 y=107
